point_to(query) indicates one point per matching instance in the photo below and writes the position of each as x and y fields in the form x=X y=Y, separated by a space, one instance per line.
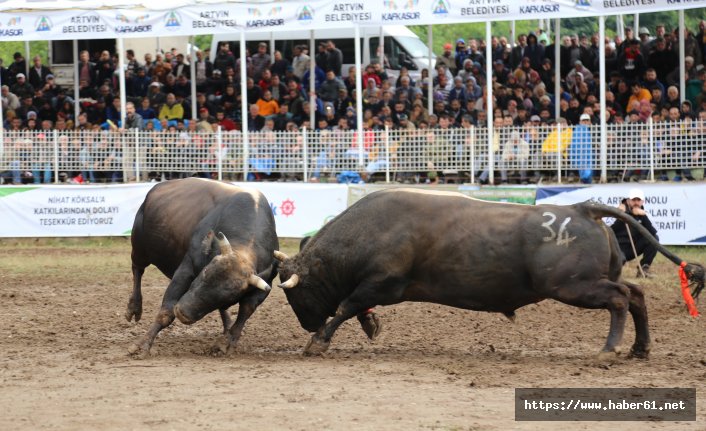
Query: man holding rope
x=631 y=242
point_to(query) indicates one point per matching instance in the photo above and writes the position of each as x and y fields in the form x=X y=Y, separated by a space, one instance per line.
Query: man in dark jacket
x=633 y=205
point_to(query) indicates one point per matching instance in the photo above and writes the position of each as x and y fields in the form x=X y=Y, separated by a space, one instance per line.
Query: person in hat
x=22 y=88
x=645 y=39
x=447 y=59
x=633 y=204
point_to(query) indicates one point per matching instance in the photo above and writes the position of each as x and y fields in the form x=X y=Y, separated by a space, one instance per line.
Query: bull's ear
x=207 y=243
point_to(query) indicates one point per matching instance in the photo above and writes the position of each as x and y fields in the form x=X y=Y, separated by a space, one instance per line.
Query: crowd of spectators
x=643 y=83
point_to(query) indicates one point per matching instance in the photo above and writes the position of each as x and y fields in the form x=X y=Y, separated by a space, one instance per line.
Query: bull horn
x=293 y=281
x=280 y=256
x=223 y=244
x=258 y=282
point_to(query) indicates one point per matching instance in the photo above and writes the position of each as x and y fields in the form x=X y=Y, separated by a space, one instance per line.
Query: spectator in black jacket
x=38 y=73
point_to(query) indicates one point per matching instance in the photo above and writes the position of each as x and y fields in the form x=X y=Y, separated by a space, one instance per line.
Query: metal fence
x=555 y=153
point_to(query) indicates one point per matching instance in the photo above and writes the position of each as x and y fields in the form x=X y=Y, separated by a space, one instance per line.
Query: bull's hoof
x=606 y=356
x=639 y=352
x=371 y=325
x=133 y=310
x=316 y=347
x=139 y=351
x=220 y=347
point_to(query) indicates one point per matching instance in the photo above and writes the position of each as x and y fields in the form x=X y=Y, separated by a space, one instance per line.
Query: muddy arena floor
x=64 y=362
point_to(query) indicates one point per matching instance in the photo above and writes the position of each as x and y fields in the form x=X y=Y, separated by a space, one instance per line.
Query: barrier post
x=473 y=154
x=219 y=152
x=558 y=153
x=138 y=178
x=387 y=154
x=56 y=156
x=305 y=158
x=651 y=125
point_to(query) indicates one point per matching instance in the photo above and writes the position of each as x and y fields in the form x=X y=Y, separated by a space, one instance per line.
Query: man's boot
x=645 y=270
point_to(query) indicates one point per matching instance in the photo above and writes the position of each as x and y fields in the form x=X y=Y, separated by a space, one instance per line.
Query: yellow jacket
x=176 y=112
x=557 y=142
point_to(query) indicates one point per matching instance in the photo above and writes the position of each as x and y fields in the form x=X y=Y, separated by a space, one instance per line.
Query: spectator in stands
x=300 y=62
x=180 y=67
x=19 y=65
x=631 y=63
x=133 y=120
x=674 y=76
x=261 y=60
x=9 y=99
x=204 y=70
x=267 y=106
x=38 y=73
x=334 y=58
x=171 y=110
x=447 y=58
x=224 y=59
x=22 y=88
x=328 y=92
x=515 y=156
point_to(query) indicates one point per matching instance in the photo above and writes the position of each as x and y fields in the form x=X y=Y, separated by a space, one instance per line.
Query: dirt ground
x=64 y=362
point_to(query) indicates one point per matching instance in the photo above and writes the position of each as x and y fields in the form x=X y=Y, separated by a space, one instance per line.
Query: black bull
x=215 y=242
x=409 y=245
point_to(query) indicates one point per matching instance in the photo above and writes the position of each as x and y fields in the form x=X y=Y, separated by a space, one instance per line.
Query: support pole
x=77 y=96
x=601 y=92
x=489 y=103
x=682 y=56
x=244 y=104
x=358 y=95
x=312 y=81
x=430 y=88
x=121 y=78
x=192 y=80
x=557 y=67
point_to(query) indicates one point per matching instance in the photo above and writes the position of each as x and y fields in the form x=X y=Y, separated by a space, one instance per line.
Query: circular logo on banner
x=287 y=207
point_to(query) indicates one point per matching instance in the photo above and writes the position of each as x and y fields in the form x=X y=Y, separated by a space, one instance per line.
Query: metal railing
x=461 y=154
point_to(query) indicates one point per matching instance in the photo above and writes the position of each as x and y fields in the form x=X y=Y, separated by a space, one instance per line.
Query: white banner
x=301 y=209
x=59 y=211
x=676 y=211
x=63 y=211
x=100 y=19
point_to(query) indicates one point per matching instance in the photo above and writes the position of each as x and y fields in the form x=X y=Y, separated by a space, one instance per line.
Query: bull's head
x=221 y=283
x=303 y=294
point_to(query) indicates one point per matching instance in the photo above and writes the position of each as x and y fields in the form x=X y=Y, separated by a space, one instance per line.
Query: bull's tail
x=694 y=272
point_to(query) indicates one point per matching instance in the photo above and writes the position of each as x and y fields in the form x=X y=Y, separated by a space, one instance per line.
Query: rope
x=634 y=251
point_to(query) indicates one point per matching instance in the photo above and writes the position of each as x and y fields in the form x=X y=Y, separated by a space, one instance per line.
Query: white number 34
x=562 y=238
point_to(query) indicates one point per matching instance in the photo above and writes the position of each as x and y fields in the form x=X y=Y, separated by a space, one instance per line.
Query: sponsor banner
x=63 y=211
x=60 y=211
x=78 y=19
x=301 y=209
x=676 y=211
x=517 y=195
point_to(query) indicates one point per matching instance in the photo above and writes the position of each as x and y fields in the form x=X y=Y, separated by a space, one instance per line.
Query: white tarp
x=676 y=211
x=104 y=19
